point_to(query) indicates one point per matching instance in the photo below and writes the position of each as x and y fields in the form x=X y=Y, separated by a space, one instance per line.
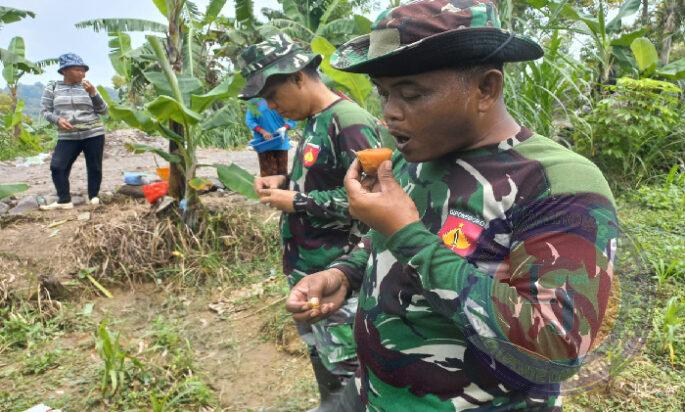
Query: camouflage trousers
x=333 y=340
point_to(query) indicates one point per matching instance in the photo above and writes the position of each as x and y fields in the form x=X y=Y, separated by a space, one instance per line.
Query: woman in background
x=74 y=106
x=267 y=124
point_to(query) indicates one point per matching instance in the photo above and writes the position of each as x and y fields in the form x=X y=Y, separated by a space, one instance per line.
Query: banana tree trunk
x=177 y=184
x=192 y=216
x=669 y=28
x=176 y=180
x=13 y=108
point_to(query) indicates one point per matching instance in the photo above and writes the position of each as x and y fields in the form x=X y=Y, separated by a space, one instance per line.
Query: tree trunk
x=645 y=13
x=669 y=28
x=177 y=182
x=13 y=108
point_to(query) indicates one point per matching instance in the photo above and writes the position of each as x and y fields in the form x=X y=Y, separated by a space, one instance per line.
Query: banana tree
x=15 y=66
x=304 y=21
x=181 y=49
x=12 y=15
x=648 y=61
x=181 y=101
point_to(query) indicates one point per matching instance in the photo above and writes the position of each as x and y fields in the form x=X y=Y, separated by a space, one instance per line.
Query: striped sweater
x=72 y=102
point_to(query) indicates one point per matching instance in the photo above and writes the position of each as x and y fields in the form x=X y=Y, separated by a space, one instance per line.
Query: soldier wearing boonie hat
x=316 y=227
x=484 y=279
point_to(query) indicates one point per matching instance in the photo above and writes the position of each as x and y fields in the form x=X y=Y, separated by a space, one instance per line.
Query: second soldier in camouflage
x=316 y=228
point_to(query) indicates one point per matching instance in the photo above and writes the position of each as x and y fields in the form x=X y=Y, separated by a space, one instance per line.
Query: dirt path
x=117 y=161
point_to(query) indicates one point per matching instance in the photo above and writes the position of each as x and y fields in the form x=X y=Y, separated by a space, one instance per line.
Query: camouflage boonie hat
x=426 y=35
x=276 y=55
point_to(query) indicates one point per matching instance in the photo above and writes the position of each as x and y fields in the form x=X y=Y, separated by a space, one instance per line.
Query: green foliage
x=38 y=363
x=674 y=70
x=7 y=190
x=237 y=179
x=122 y=25
x=11 y=15
x=669 y=331
x=357 y=86
x=304 y=21
x=178 y=101
x=608 y=48
x=161 y=378
x=645 y=54
x=635 y=129
x=543 y=93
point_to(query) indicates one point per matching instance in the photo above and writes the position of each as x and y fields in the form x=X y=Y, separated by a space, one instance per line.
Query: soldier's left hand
x=92 y=91
x=382 y=205
x=278 y=198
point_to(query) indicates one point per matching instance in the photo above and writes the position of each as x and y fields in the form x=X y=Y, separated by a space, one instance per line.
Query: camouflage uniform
x=320 y=230
x=494 y=297
x=513 y=253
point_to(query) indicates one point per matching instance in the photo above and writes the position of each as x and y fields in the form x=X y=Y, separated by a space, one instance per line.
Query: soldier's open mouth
x=401 y=139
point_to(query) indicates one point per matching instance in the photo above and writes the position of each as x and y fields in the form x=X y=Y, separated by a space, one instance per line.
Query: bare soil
x=118 y=160
x=245 y=369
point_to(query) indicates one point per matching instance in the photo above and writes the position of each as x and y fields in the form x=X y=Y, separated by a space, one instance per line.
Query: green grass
x=654 y=379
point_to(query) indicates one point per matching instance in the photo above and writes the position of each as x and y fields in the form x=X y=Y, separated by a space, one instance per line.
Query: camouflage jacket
x=491 y=299
x=319 y=230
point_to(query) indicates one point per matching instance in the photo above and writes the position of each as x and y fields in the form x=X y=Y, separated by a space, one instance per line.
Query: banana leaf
x=134 y=118
x=166 y=108
x=9 y=190
x=143 y=148
x=227 y=88
x=237 y=179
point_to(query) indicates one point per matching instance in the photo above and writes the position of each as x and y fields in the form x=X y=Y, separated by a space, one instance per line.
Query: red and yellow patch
x=310 y=154
x=460 y=235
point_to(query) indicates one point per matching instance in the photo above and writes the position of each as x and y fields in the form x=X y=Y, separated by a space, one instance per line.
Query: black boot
x=330 y=386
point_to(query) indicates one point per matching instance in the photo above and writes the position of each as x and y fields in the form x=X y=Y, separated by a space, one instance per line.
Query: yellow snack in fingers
x=371 y=159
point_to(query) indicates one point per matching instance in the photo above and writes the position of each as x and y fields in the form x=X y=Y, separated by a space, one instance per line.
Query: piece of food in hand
x=371 y=159
x=313 y=303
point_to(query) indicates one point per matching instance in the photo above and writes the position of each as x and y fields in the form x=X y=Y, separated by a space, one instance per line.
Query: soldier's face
x=287 y=98
x=430 y=114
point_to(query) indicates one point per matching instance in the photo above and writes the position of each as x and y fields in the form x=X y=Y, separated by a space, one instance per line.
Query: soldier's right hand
x=268 y=182
x=64 y=124
x=328 y=288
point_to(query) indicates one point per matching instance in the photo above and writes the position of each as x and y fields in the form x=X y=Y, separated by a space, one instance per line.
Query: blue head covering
x=70 y=60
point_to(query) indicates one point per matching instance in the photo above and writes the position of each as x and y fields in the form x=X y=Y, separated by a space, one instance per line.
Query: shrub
x=635 y=131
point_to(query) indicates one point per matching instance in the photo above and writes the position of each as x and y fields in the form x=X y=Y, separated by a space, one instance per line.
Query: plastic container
x=154 y=191
x=138 y=178
x=163 y=173
x=275 y=143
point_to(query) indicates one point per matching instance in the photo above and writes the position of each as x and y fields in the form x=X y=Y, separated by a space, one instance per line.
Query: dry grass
x=136 y=247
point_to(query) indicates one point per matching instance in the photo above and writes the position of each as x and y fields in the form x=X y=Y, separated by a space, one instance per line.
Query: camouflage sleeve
x=541 y=311
x=353 y=264
x=332 y=204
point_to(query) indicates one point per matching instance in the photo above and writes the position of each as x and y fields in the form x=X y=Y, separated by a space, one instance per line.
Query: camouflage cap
x=429 y=34
x=277 y=54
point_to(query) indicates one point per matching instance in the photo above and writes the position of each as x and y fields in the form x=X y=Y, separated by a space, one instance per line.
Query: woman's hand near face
x=92 y=91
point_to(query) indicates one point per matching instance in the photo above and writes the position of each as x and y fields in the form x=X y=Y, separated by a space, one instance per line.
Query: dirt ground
x=118 y=160
x=245 y=369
